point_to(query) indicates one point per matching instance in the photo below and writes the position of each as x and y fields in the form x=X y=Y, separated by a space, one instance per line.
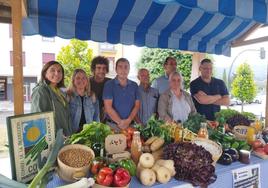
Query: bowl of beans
x=74 y=162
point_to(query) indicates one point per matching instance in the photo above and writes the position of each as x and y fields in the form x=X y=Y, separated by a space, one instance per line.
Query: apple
x=266 y=148
x=260 y=151
x=256 y=144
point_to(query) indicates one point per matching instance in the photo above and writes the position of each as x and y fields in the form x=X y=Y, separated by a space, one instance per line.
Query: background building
x=37 y=51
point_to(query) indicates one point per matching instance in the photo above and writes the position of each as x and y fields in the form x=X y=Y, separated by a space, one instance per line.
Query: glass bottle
x=221 y=127
x=251 y=135
x=203 y=131
x=178 y=133
x=136 y=147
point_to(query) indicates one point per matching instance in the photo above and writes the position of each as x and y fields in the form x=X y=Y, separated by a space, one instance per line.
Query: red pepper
x=105 y=176
x=121 y=177
x=97 y=164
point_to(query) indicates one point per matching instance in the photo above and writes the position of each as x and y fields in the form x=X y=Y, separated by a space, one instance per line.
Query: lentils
x=75 y=157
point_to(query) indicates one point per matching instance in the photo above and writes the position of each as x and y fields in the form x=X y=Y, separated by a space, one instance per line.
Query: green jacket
x=44 y=99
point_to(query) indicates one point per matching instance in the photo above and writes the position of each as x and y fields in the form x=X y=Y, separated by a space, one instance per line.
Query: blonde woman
x=84 y=106
x=175 y=104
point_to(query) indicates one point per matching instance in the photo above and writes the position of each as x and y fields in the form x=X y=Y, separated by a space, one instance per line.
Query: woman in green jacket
x=47 y=96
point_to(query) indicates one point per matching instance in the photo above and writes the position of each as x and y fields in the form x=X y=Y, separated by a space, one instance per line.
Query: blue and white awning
x=194 y=25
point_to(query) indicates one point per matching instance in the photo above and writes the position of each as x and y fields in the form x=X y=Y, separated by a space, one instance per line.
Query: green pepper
x=246 y=147
x=227 y=138
x=129 y=165
x=225 y=145
x=114 y=165
x=235 y=145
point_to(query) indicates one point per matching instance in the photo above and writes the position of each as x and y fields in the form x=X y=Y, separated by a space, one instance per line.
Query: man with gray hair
x=149 y=97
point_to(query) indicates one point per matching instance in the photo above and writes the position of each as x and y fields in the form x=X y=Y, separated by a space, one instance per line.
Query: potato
x=146 y=160
x=163 y=175
x=147 y=177
x=158 y=154
x=139 y=169
x=158 y=143
x=155 y=167
x=150 y=140
x=169 y=164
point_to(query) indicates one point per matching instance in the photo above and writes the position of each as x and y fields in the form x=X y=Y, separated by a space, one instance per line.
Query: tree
x=153 y=59
x=243 y=87
x=75 y=55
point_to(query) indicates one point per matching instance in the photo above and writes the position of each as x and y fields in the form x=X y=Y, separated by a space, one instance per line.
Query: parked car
x=257 y=99
x=234 y=101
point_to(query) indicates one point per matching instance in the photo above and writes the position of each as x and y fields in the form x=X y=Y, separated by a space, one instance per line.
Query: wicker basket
x=210 y=146
x=240 y=132
x=69 y=174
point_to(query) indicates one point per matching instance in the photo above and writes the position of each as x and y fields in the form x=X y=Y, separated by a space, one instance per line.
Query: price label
x=248 y=176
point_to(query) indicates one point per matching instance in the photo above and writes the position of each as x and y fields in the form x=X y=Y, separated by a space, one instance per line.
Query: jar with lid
x=203 y=131
x=136 y=147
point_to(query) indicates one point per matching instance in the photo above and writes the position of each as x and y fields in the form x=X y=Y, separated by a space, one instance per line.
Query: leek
x=50 y=160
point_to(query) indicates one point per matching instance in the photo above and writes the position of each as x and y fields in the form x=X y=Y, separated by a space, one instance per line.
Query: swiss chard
x=94 y=132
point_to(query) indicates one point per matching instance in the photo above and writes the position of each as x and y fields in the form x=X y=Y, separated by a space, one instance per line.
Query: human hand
x=123 y=124
x=201 y=92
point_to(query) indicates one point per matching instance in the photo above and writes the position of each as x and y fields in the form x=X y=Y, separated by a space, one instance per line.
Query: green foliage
x=75 y=55
x=243 y=86
x=153 y=59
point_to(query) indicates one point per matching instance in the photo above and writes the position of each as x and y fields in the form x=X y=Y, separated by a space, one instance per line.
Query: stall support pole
x=266 y=103
x=196 y=58
x=16 y=11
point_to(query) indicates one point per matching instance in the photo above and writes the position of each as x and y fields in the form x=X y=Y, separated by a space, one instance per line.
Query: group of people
x=121 y=102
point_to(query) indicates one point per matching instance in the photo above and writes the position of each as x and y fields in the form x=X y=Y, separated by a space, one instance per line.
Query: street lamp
x=262 y=56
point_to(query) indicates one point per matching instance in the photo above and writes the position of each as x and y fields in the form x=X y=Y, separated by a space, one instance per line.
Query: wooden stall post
x=16 y=13
x=266 y=103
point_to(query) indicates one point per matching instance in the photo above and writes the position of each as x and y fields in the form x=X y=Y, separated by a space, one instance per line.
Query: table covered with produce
x=197 y=152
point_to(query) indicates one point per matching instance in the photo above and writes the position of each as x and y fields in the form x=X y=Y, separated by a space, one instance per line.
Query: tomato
x=266 y=148
x=260 y=151
x=256 y=144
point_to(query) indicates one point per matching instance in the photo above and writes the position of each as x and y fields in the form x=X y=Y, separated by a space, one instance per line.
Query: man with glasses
x=99 y=68
x=161 y=83
x=208 y=93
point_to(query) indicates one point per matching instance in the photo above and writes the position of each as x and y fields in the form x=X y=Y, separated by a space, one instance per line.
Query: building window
x=23 y=58
x=46 y=57
x=106 y=47
x=48 y=39
x=3 y=88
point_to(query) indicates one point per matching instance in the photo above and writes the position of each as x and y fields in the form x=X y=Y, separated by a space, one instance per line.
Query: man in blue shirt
x=149 y=97
x=121 y=97
x=161 y=83
x=208 y=93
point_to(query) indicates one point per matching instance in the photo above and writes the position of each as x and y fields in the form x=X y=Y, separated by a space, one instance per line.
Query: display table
x=224 y=177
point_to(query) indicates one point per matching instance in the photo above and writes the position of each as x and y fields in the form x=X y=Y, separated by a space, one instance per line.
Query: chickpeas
x=75 y=157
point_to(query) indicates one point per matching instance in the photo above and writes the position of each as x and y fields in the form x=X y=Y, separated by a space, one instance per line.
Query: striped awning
x=194 y=25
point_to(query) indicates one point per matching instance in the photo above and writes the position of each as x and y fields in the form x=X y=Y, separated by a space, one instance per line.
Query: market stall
x=117 y=22
x=224 y=173
x=198 y=152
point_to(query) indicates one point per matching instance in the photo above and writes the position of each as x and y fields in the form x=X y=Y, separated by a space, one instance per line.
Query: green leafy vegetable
x=94 y=132
x=194 y=121
x=153 y=128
